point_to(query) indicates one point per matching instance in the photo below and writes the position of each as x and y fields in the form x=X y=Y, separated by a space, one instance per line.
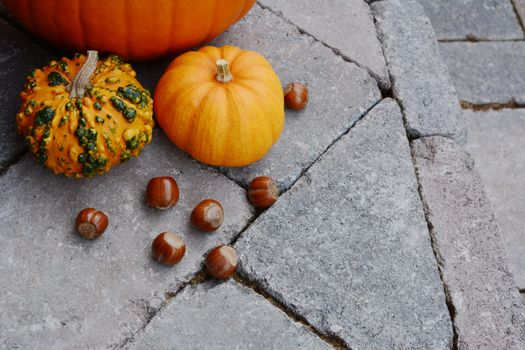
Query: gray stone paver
x=488 y=311
x=419 y=77
x=63 y=292
x=487 y=72
x=18 y=55
x=496 y=143
x=348 y=247
x=223 y=316
x=340 y=93
x=473 y=19
x=345 y=25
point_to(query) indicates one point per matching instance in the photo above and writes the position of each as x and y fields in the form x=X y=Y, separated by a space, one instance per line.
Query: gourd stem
x=80 y=82
x=223 y=72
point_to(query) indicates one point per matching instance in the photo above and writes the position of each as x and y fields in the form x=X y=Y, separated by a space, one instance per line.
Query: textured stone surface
x=63 y=292
x=473 y=19
x=18 y=55
x=223 y=316
x=496 y=143
x=345 y=25
x=489 y=72
x=488 y=311
x=340 y=93
x=348 y=247
x=419 y=77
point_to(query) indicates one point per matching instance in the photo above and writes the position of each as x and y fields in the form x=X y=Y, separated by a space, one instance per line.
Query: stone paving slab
x=223 y=316
x=345 y=25
x=419 y=77
x=488 y=72
x=487 y=306
x=62 y=291
x=18 y=55
x=473 y=19
x=348 y=248
x=496 y=143
x=340 y=93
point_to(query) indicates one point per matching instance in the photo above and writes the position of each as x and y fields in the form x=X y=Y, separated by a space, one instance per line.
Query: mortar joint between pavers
x=474 y=39
x=330 y=145
x=426 y=211
x=199 y=277
x=520 y=20
x=335 y=50
x=495 y=106
x=437 y=254
x=334 y=341
x=14 y=160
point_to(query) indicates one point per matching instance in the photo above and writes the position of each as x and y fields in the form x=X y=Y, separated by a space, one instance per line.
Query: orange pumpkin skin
x=136 y=29
x=230 y=124
x=85 y=136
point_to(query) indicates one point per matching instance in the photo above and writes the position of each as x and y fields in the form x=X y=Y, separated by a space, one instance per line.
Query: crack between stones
x=520 y=20
x=197 y=278
x=473 y=39
x=15 y=159
x=412 y=134
x=330 y=145
x=426 y=211
x=439 y=259
x=482 y=107
x=335 y=50
x=334 y=341
x=200 y=276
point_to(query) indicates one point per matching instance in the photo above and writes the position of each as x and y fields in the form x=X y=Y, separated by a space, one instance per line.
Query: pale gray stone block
x=223 y=316
x=346 y=26
x=348 y=248
x=488 y=313
x=488 y=72
x=473 y=19
x=420 y=79
x=497 y=145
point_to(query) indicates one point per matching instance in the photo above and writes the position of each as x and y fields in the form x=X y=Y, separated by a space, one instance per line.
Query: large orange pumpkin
x=224 y=106
x=137 y=29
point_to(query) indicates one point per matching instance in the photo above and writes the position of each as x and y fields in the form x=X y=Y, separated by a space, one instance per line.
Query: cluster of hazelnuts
x=168 y=248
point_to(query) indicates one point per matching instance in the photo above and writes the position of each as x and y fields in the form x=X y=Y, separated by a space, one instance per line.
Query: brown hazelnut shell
x=91 y=223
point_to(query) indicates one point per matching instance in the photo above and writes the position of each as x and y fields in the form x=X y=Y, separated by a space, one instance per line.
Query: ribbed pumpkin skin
x=136 y=29
x=82 y=137
x=232 y=124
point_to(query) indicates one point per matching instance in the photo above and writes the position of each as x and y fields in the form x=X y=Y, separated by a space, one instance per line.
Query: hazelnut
x=263 y=192
x=221 y=262
x=91 y=223
x=162 y=192
x=208 y=215
x=296 y=96
x=168 y=248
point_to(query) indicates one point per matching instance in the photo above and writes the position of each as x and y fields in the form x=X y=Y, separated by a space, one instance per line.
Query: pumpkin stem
x=223 y=72
x=80 y=82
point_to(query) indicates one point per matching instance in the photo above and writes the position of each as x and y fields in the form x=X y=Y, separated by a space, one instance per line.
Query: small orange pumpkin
x=224 y=106
x=81 y=116
x=137 y=29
